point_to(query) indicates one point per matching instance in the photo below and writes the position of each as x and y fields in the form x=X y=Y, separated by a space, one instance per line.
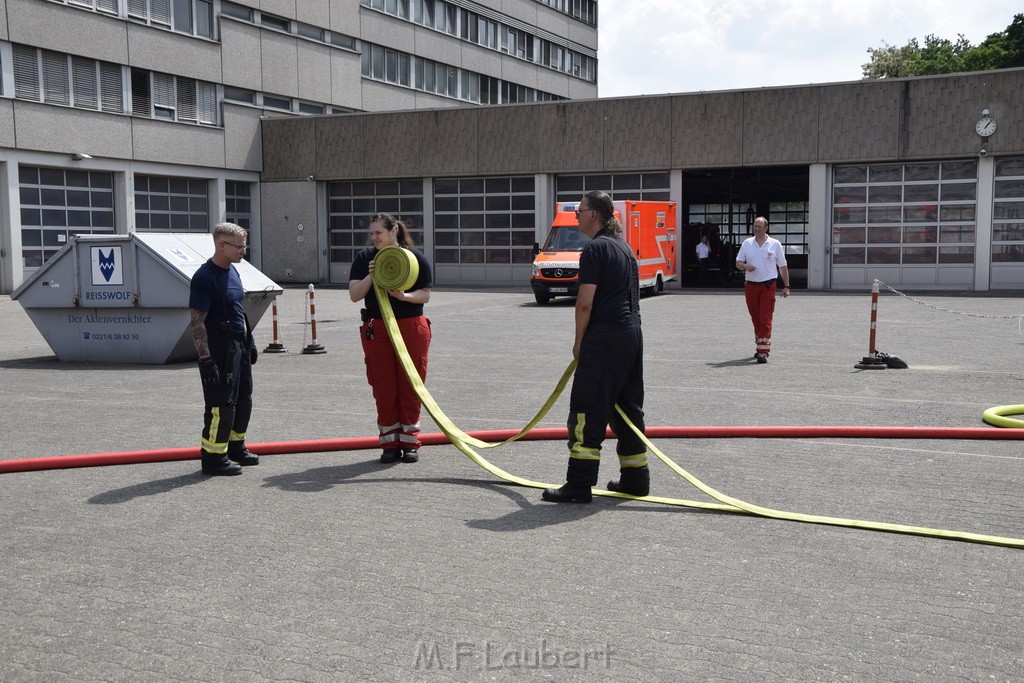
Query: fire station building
x=917 y=182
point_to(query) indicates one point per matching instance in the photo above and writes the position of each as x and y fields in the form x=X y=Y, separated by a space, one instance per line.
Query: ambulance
x=648 y=227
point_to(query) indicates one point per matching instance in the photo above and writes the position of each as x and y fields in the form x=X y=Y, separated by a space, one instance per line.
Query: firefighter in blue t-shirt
x=226 y=351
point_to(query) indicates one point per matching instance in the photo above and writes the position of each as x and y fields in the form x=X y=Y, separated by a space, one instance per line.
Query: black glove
x=253 y=353
x=209 y=373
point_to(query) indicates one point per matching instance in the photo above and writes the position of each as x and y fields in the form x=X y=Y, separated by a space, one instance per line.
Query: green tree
x=1011 y=42
x=890 y=61
x=941 y=56
x=1001 y=50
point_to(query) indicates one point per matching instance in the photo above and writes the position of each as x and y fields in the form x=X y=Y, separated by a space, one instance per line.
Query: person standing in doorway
x=608 y=347
x=762 y=259
x=398 y=406
x=703 y=261
x=227 y=352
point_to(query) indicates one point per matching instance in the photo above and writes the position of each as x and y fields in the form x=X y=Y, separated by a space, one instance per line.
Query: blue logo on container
x=106 y=266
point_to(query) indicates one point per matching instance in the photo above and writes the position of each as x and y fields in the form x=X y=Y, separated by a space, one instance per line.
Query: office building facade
x=119 y=116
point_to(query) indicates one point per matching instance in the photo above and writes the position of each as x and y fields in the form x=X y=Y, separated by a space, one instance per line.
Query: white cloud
x=661 y=46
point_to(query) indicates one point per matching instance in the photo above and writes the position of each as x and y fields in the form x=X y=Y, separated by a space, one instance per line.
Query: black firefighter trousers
x=609 y=371
x=229 y=405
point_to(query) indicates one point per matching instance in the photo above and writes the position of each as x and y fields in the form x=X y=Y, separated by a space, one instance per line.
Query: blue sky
x=649 y=47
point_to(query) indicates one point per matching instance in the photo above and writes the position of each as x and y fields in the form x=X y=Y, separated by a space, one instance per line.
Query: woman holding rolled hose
x=398 y=406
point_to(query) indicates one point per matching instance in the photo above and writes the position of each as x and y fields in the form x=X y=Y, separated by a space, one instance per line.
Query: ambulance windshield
x=565 y=238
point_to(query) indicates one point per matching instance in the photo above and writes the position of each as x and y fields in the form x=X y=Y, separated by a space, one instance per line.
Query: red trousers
x=761 y=306
x=398 y=406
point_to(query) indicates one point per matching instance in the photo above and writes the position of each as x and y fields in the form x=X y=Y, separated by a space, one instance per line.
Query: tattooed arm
x=199 y=336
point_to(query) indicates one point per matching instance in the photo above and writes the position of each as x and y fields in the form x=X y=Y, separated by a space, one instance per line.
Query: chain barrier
x=1019 y=317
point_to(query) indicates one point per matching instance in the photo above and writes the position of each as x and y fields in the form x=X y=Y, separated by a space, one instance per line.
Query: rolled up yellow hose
x=395 y=269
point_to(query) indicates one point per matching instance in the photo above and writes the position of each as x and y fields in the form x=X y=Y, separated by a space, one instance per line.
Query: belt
x=762 y=282
x=366 y=316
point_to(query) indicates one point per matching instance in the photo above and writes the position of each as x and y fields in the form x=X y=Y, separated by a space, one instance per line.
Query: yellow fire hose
x=397 y=269
x=996 y=416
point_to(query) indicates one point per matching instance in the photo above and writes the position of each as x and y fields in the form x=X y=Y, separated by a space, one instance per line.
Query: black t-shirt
x=608 y=262
x=402 y=309
x=218 y=293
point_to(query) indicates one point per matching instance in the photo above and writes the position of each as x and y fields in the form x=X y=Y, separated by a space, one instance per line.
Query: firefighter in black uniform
x=226 y=351
x=609 y=351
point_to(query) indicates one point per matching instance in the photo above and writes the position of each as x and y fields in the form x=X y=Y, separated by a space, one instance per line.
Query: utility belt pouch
x=364 y=314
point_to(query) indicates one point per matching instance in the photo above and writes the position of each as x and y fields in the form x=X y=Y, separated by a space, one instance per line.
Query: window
x=238 y=203
x=386 y=65
x=230 y=9
x=270 y=21
x=56 y=78
x=173 y=98
x=277 y=102
x=309 y=108
x=351 y=204
x=194 y=17
x=484 y=220
x=650 y=186
x=787 y=222
x=111 y=87
x=58 y=203
x=910 y=214
x=307 y=31
x=164 y=204
x=86 y=84
x=163 y=92
x=400 y=68
x=471 y=27
x=182 y=14
x=26 y=72
x=239 y=95
x=341 y=40
x=108 y=6
x=583 y=10
x=204 y=18
x=1008 y=212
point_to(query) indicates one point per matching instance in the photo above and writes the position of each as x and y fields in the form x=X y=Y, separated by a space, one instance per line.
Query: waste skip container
x=124 y=298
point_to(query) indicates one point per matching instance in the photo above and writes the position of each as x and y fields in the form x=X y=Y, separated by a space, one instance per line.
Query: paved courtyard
x=333 y=567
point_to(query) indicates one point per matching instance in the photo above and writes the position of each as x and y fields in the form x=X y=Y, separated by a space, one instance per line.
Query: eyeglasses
x=579 y=211
x=240 y=247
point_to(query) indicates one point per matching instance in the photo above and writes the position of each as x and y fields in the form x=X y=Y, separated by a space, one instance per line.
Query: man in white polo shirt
x=762 y=259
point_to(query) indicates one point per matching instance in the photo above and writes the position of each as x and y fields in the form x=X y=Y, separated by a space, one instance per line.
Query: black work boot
x=410 y=455
x=636 y=481
x=568 y=493
x=240 y=454
x=219 y=465
x=581 y=475
x=390 y=455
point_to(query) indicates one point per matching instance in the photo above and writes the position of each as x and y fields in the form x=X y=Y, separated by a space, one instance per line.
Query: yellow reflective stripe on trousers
x=213 y=446
x=639 y=460
x=577 y=450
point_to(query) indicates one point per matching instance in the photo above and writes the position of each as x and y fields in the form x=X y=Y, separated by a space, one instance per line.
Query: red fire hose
x=548 y=434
